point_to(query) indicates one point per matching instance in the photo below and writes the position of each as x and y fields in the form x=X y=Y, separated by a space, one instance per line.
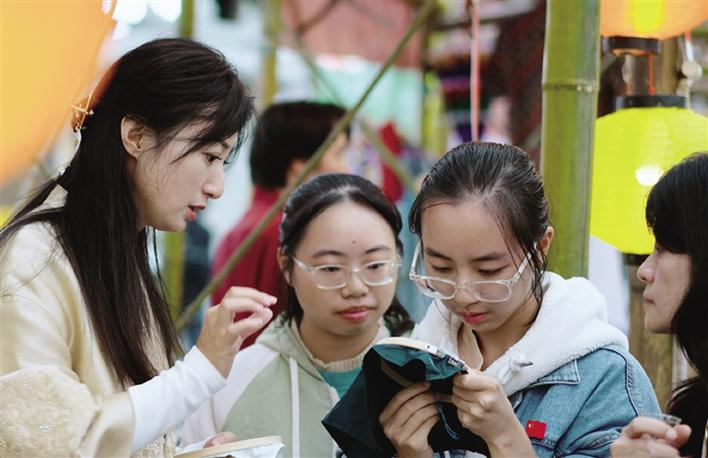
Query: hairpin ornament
x=80 y=114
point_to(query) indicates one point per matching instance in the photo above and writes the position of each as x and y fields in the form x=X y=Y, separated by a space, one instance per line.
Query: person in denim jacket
x=549 y=376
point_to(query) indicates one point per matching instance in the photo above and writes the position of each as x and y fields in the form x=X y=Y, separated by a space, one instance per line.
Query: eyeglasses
x=335 y=276
x=485 y=291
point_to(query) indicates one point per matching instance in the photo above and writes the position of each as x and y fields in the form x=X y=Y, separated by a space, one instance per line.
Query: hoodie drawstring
x=295 y=407
x=516 y=363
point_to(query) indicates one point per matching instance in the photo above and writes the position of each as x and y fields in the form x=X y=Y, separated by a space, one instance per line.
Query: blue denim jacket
x=584 y=404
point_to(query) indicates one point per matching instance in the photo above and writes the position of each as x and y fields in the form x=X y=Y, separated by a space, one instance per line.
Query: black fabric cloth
x=353 y=422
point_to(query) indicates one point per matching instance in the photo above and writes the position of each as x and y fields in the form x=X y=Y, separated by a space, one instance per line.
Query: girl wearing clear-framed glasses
x=549 y=376
x=340 y=254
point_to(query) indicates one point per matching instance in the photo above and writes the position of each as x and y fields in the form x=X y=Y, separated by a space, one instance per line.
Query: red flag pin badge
x=535 y=429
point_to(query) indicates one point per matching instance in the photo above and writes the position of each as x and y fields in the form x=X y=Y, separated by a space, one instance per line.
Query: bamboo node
x=575 y=85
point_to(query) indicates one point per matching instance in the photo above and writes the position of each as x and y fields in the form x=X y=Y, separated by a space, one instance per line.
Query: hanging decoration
x=633 y=148
x=658 y=19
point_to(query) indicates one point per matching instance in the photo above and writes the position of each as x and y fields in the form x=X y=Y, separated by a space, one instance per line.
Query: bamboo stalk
x=174 y=243
x=193 y=307
x=272 y=27
x=186 y=19
x=570 y=86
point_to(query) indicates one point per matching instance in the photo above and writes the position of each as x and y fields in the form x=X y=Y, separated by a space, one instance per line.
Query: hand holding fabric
x=484 y=409
x=408 y=419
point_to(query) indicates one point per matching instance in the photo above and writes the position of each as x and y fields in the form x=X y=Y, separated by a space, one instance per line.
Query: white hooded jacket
x=570 y=324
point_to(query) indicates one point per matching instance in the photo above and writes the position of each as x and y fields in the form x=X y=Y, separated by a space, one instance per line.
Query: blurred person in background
x=286 y=136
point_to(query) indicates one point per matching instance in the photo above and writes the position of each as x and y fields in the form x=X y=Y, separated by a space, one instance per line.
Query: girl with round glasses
x=549 y=376
x=339 y=253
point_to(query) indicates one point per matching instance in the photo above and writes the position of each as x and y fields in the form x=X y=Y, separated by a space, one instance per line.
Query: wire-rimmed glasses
x=335 y=276
x=445 y=289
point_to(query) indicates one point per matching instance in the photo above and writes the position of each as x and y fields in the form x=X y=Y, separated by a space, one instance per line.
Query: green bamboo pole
x=173 y=243
x=570 y=85
x=273 y=25
x=193 y=307
x=186 y=19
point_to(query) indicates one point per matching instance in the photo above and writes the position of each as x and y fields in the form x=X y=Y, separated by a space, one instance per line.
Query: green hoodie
x=273 y=389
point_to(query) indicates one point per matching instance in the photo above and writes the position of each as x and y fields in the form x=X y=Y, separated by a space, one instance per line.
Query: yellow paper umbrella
x=49 y=55
x=633 y=148
x=659 y=19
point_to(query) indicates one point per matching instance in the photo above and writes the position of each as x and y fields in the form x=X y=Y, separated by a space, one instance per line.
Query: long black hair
x=317 y=195
x=505 y=179
x=677 y=213
x=165 y=84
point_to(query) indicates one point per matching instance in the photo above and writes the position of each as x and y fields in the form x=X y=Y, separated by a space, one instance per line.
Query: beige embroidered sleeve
x=59 y=396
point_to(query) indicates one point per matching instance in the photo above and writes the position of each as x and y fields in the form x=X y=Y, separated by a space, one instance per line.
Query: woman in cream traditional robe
x=86 y=341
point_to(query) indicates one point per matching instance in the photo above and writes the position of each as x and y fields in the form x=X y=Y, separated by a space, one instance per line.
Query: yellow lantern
x=659 y=19
x=633 y=148
x=49 y=52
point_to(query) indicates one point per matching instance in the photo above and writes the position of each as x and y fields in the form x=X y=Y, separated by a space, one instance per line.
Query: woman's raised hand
x=644 y=437
x=408 y=419
x=221 y=338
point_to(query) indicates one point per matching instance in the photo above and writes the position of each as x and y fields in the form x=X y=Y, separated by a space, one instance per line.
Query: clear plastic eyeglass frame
x=349 y=271
x=472 y=287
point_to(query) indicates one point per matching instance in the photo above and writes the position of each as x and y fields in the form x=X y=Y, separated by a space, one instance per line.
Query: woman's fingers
x=401 y=398
x=466 y=386
x=408 y=419
x=243 y=328
x=240 y=299
x=418 y=422
x=403 y=426
x=659 y=449
x=683 y=432
x=645 y=436
x=645 y=425
x=224 y=437
x=221 y=338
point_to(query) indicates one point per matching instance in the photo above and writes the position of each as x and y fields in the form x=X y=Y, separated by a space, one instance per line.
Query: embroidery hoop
x=225 y=449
